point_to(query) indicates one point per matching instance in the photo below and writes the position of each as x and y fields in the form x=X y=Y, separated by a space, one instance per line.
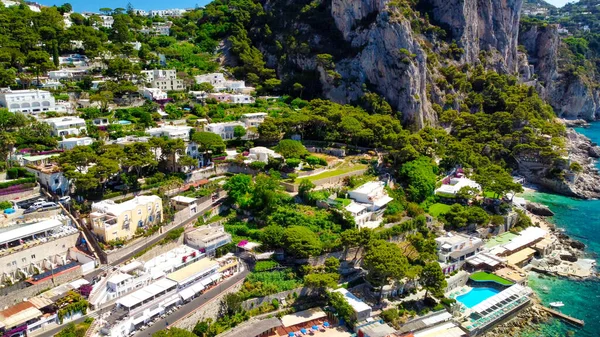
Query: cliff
x=488 y=25
x=384 y=47
x=571 y=94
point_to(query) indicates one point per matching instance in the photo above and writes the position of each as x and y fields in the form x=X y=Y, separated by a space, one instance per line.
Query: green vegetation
x=337 y=171
x=75 y=330
x=482 y=276
x=269 y=282
x=438 y=209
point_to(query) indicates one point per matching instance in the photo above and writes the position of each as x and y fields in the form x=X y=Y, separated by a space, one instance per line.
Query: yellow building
x=111 y=221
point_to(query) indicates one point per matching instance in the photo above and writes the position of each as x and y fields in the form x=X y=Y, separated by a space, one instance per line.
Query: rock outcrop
x=483 y=25
x=539 y=209
x=524 y=320
x=585 y=184
x=572 y=96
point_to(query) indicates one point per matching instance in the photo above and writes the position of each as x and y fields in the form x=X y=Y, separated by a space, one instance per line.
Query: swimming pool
x=476 y=296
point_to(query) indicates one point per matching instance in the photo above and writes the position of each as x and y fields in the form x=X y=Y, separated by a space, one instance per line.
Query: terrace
x=487 y=277
x=20 y=237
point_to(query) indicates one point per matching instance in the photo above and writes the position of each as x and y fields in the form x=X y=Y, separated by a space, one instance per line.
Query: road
x=162 y=323
x=195 y=304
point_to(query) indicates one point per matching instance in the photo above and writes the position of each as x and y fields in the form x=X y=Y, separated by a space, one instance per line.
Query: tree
x=174 y=332
x=342 y=308
x=187 y=161
x=104 y=98
x=7 y=77
x=239 y=132
x=204 y=86
x=289 y=148
x=321 y=281
x=384 y=261
x=273 y=236
x=139 y=156
x=497 y=180
x=238 y=188
x=312 y=161
x=208 y=141
x=298 y=89
x=268 y=131
x=293 y=162
x=232 y=303
x=332 y=265
x=432 y=279
x=40 y=62
x=420 y=176
x=301 y=242
x=305 y=187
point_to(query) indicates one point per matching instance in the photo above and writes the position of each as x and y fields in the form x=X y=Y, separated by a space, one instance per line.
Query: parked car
x=48 y=205
x=65 y=200
x=31 y=209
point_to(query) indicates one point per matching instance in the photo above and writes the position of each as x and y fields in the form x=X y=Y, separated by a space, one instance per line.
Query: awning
x=197 y=287
x=187 y=293
x=206 y=281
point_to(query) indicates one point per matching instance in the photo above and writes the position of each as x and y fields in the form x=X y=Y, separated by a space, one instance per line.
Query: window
x=139 y=212
x=141 y=223
x=33 y=256
x=14 y=263
x=56 y=181
x=23 y=260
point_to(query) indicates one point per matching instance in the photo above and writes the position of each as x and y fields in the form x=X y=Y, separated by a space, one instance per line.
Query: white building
x=64 y=126
x=455 y=248
x=455 y=184
x=61 y=74
x=153 y=94
x=372 y=194
x=171 y=132
x=220 y=83
x=107 y=21
x=254 y=119
x=207 y=239
x=261 y=153
x=27 y=101
x=225 y=129
x=241 y=99
x=69 y=143
x=175 y=12
x=362 y=310
x=158 y=28
x=164 y=79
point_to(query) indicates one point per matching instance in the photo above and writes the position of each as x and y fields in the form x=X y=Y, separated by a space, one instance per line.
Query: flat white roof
x=513 y=292
x=448 y=329
x=71 y=140
x=118 y=278
x=131 y=266
x=192 y=270
x=58 y=121
x=527 y=236
x=181 y=198
x=146 y=292
x=111 y=207
x=24 y=231
x=357 y=304
x=369 y=187
x=355 y=207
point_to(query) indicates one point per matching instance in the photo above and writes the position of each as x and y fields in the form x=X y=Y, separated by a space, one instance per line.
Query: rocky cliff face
x=387 y=54
x=483 y=25
x=570 y=95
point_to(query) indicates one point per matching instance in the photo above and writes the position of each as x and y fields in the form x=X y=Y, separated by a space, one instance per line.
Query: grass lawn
x=438 y=209
x=335 y=172
x=483 y=276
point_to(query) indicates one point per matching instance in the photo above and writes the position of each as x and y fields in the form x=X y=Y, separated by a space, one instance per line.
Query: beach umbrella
x=303 y=330
x=326 y=324
x=314 y=327
x=291 y=334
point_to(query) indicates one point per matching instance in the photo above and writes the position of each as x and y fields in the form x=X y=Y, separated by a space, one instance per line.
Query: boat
x=557 y=304
x=545 y=289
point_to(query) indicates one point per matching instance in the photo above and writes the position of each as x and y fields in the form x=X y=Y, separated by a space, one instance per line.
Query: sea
x=94 y=6
x=581 y=220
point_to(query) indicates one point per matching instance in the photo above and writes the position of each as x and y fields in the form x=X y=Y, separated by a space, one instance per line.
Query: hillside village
x=148 y=188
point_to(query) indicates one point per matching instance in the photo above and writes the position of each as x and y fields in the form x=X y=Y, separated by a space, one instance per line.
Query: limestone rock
x=539 y=209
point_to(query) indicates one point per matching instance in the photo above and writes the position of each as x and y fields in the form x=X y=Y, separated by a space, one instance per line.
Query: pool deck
x=500 y=239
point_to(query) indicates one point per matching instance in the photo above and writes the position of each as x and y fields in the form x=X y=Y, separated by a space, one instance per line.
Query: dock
x=564 y=317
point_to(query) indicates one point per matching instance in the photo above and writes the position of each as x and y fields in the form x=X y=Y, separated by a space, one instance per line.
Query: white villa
x=27 y=101
x=225 y=129
x=455 y=184
x=455 y=248
x=65 y=126
x=171 y=132
x=164 y=79
x=368 y=204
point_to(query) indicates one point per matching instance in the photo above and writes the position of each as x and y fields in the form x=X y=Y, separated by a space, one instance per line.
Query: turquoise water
x=476 y=296
x=581 y=220
x=94 y=6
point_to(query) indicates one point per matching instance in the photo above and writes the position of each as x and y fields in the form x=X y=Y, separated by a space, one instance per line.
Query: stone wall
x=255 y=302
x=219 y=169
x=456 y=281
x=13 y=295
x=21 y=195
x=320 y=182
x=209 y=309
x=160 y=249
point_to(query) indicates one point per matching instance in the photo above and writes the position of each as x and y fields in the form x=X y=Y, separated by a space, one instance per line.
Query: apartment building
x=455 y=248
x=111 y=221
x=66 y=126
x=171 y=132
x=220 y=83
x=225 y=129
x=153 y=94
x=254 y=119
x=69 y=143
x=164 y=79
x=207 y=239
x=27 y=101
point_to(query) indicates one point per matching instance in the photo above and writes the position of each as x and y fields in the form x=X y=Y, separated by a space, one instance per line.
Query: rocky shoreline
x=583 y=151
x=523 y=320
